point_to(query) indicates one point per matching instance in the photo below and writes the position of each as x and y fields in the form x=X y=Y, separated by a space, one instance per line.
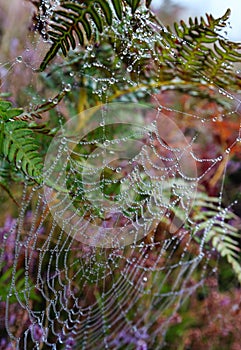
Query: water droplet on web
x=118 y=170
x=67 y=87
x=145 y=279
x=129 y=69
x=106 y=143
x=19 y=59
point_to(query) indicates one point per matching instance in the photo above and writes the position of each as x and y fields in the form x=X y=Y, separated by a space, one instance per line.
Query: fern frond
x=74 y=20
x=199 y=47
x=215 y=223
x=191 y=55
x=20 y=147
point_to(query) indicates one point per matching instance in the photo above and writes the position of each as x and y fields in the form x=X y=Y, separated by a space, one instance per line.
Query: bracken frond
x=218 y=231
x=199 y=47
x=19 y=146
x=73 y=21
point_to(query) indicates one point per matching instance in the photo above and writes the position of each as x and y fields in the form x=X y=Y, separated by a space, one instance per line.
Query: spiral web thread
x=107 y=297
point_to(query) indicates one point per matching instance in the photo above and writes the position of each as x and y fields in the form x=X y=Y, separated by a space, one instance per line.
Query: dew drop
x=67 y=87
x=63 y=141
x=106 y=143
x=19 y=59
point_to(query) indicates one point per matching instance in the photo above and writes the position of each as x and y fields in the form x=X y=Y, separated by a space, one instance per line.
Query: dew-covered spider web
x=101 y=252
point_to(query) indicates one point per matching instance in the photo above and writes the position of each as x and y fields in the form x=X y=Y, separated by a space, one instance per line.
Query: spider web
x=104 y=270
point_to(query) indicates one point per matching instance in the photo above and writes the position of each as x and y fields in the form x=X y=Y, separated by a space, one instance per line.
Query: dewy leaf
x=106 y=9
x=199 y=47
x=74 y=19
x=218 y=232
x=118 y=8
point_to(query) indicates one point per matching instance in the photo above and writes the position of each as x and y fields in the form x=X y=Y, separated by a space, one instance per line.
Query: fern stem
x=149 y=86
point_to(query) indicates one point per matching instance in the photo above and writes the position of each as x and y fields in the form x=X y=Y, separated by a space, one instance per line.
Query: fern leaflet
x=19 y=146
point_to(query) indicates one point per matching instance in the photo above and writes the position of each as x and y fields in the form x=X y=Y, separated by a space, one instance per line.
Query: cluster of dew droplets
x=120 y=74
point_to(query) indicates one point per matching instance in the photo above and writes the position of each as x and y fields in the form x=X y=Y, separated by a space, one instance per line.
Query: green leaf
x=201 y=49
x=20 y=146
x=118 y=8
x=74 y=19
x=106 y=9
x=7 y=112
x=135 y=4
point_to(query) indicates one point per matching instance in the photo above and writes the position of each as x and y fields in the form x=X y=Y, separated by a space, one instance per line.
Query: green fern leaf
x=19 y=146
x=7 y=112
x=218 y=233
x=133 y=4
x=73 y=20
x=118 y=8
x=222 y=236
x=200 y=48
